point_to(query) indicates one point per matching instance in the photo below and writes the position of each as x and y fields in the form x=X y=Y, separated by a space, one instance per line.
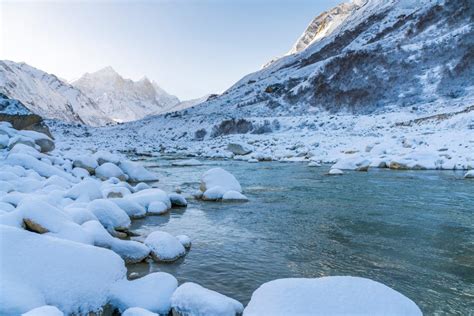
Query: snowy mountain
x=124 y=99
x=47 y=95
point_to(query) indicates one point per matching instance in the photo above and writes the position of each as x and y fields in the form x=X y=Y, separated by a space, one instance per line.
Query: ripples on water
x=411 y=230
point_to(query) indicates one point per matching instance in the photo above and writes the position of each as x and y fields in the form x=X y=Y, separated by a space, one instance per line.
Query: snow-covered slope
x=48 y=96
x=124 y=99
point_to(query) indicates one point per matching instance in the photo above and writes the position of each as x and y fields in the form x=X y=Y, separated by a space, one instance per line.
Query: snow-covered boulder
x=314 y=164
x=105 y=156
x=46 y=310
x=152 y=292
x=469 y=174
x=186 y=163
x=108 y=170
x=133 y=209
x=85 y=191
x=130 y=251
x=339 y=295
x=157 y=208
x=177 y=200
x=193 y=299
x=146 y=196
x=136 y=172
x=164 y=246
x=109 y=214
x=44 y=142
x=77 y=278
x=86 y=162
x=219 y=177
x=335 y=172
x=239 y=148
x=185 y=241
x=234 y=196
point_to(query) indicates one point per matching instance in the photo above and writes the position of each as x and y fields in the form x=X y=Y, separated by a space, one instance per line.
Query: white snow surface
x=338 y=295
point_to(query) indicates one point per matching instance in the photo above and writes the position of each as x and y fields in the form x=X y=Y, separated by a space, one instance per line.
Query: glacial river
x=411 y=230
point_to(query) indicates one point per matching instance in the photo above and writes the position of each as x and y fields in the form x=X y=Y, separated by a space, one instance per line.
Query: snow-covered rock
x=191 y=299
x=469 y=174
x=108 y=170
x=239 y=148
x=109 y=214
x=177 y=200
x=234 y=196
x=185 y=241
x=152 y=292
x=157 y=208
x=219 y=177
x=164 y=246
x=136 y=172
x=133 y=209
x=86 y=162
x=146 y=196
x=335 y=172
x=340 y=295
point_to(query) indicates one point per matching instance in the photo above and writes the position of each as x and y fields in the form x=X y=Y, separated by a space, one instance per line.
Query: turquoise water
x=411 y=230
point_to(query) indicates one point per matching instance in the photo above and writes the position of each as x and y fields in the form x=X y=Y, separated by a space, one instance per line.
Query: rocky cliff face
x=124 y=99
x=48 y=96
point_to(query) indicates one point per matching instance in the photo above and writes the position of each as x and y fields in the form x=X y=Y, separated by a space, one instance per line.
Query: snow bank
x=77 y=278
x=138 y=311
x=151 y=292
x=193 y=299
x=340 y=295
x=164 y=246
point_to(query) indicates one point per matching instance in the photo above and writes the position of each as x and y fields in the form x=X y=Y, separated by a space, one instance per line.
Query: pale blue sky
x=190 y=48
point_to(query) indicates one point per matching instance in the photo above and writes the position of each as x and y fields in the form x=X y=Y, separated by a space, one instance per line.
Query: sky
x=190 y=48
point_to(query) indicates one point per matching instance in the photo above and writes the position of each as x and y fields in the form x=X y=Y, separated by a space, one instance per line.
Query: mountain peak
x=106 y=71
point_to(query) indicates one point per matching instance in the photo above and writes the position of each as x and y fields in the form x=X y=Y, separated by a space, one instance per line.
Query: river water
x=411 y=230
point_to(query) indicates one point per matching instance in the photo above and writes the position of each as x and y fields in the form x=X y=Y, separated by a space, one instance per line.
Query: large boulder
x=329 y=296
x=218 y=177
